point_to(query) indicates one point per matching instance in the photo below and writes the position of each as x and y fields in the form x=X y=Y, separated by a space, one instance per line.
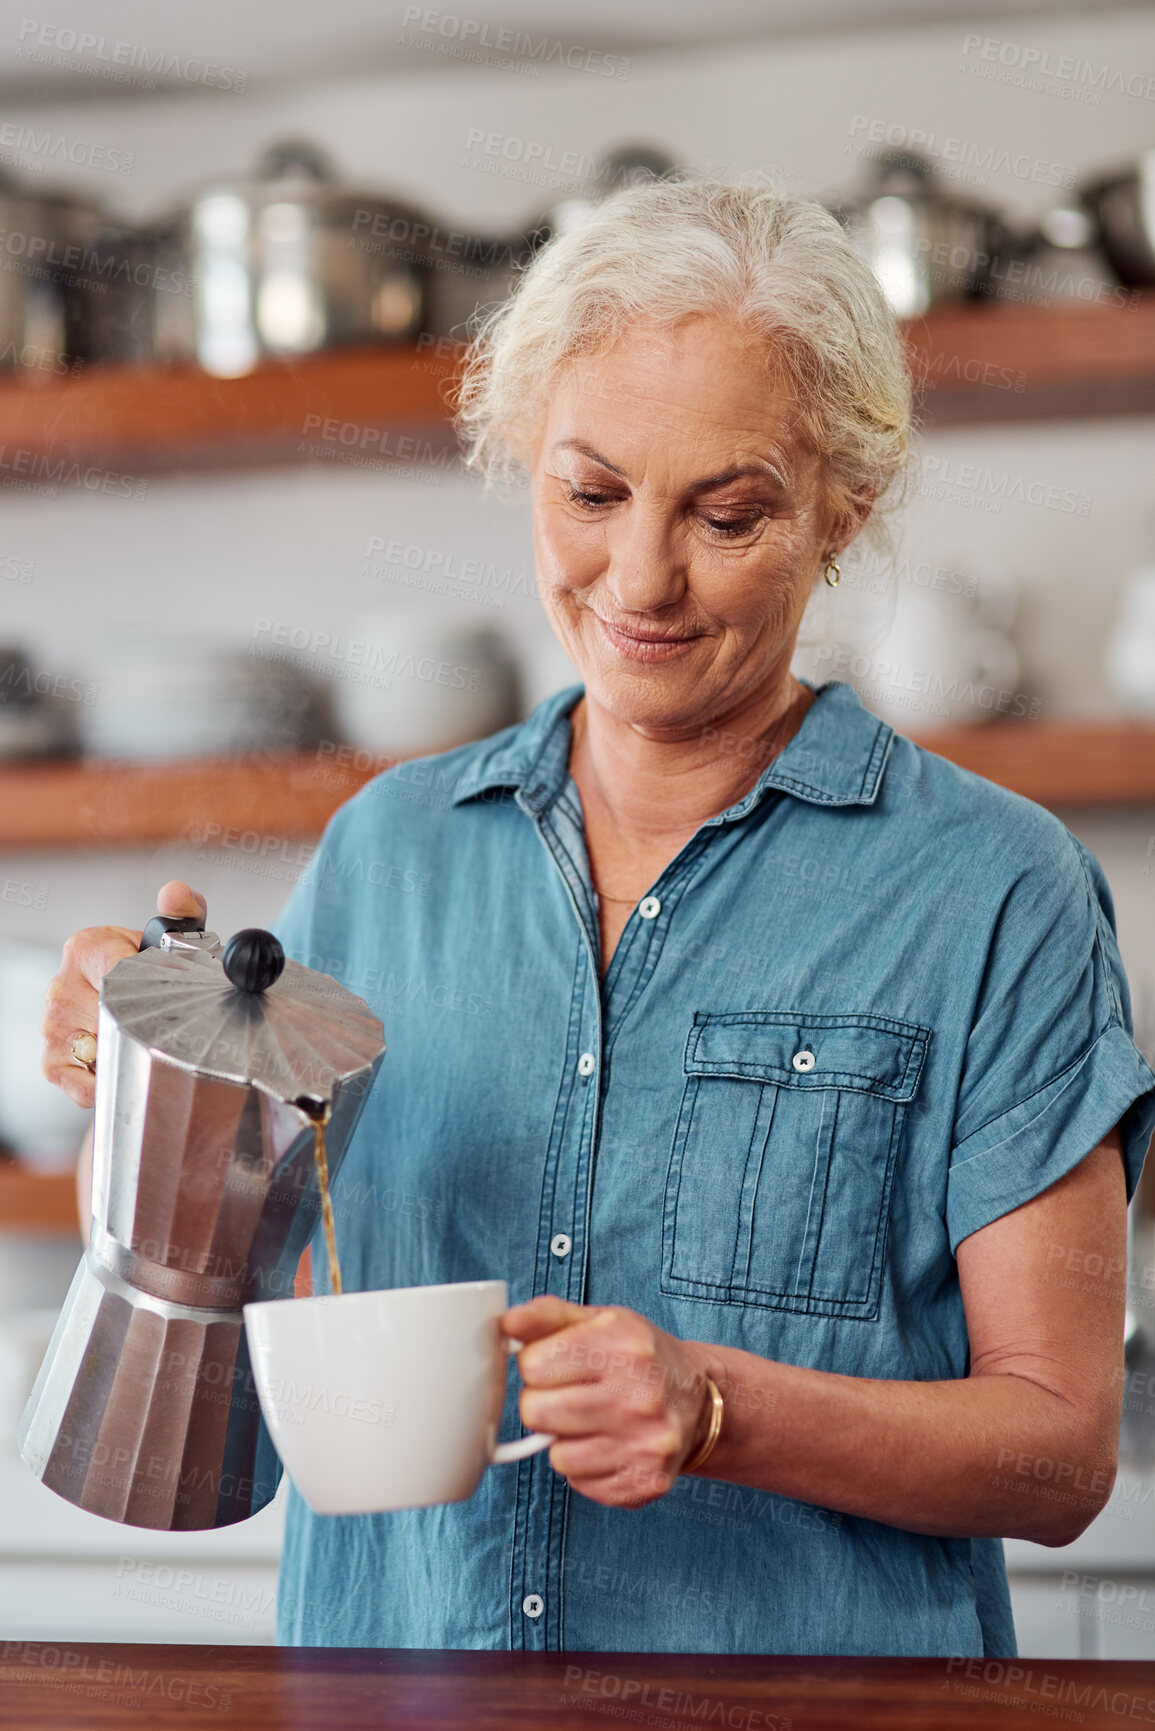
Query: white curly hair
x=781 y=267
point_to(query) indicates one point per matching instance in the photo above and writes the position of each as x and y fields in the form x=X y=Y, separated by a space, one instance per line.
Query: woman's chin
x=648 y=698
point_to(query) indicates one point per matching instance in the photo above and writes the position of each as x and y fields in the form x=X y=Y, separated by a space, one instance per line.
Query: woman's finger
x=71 y=1006
x=570 y=1409
x=72 y=1002
x=540 y=1317
x=619 y=1485
x=177 y=901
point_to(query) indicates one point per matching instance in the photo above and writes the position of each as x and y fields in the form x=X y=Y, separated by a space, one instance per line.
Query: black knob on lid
x=253 y=959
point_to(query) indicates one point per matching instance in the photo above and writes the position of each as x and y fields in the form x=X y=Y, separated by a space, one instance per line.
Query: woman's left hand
x=626 y=1401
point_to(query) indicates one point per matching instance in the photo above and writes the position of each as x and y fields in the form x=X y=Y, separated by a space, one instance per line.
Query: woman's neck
x=651 y=789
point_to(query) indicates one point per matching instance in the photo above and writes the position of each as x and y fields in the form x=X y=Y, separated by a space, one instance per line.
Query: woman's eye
x=582 y=496
x=733 y=525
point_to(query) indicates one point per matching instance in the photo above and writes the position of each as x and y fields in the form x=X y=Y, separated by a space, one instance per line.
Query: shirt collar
x=837 y=757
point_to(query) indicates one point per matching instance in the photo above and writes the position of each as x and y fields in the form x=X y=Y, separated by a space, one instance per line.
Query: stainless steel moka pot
x=214 y=1068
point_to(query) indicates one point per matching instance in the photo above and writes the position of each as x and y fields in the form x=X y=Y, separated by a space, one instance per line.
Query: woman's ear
x=848 y=523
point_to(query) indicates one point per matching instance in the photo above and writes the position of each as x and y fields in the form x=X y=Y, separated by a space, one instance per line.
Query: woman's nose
x=646 y=568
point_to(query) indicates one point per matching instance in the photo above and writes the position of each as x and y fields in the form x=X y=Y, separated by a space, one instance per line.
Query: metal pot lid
x=295 y=1038
x=295 y=172
x=915 y=180
x=58 y=199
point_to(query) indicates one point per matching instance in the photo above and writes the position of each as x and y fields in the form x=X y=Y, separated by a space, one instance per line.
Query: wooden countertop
x=78 y=1686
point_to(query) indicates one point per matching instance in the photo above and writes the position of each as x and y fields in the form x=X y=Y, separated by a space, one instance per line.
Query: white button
x=533 y=1605
x=804 y=1060
x=561 y=1243
x=587 y=1064
x=649 y=907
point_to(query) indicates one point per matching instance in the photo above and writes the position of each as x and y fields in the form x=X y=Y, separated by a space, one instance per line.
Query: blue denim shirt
x=869 y=1008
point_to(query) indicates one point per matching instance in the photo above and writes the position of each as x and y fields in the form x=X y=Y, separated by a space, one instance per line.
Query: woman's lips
x=641 y=647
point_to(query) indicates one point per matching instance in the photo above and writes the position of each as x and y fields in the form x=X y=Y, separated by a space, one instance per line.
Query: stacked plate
x=173 y=698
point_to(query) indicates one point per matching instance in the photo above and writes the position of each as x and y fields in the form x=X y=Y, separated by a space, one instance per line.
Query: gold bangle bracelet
x=713 y=1432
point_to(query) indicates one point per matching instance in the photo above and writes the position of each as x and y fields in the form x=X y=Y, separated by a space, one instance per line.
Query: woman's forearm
x=992 y=1454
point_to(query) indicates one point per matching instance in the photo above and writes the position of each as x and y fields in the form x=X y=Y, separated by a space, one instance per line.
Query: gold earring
x=831 y=565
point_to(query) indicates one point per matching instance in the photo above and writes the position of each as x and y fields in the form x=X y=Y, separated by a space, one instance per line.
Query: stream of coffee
x=322 y=1163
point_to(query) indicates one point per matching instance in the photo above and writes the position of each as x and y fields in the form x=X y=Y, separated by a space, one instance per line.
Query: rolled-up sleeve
x=1050 y=1063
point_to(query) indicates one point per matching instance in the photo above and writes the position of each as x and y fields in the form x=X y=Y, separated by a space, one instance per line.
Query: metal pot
x=45 y=263
x=1059 y=261
x=926 y=247
x=1122 y=206
x=215 y=1066
x=143 y=310
x=628 y=165
x=472 y=271
x=288 y=263
x=469 y=272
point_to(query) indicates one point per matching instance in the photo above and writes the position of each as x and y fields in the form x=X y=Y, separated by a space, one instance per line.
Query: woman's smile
x=638 y=644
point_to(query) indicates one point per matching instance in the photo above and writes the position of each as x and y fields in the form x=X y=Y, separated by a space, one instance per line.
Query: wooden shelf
x=373 y=407
x=104 y=805
x=1058 y=763
x=97 y=805
x=37 y=1202
x=994 y=362
x=389 y=408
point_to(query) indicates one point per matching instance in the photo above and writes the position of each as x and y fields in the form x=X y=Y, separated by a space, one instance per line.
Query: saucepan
x=1121 y=204
x=926 y=245
x=286 y=262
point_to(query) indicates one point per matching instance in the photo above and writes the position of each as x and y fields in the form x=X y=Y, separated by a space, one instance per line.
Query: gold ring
x=84 y=1052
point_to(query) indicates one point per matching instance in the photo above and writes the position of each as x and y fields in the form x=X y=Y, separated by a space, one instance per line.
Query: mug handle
x=501 y=1454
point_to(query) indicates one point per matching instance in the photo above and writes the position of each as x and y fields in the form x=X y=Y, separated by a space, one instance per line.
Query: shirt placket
x=561 y=1256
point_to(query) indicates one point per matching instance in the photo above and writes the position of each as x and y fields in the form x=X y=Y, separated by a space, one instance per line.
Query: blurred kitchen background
x=241 y=568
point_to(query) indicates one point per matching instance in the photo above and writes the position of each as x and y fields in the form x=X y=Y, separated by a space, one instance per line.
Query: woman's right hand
x=74 y=993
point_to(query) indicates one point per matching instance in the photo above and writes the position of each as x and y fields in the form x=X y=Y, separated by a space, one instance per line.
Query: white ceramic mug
x=385 y=1400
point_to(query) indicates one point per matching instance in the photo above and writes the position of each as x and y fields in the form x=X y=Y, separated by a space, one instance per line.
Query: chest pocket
x=780 y=1177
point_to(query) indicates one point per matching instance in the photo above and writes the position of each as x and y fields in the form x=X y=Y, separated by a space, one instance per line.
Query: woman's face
x=679 y=521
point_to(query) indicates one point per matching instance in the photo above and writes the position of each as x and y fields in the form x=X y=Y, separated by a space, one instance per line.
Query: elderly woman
x=781 y=1067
